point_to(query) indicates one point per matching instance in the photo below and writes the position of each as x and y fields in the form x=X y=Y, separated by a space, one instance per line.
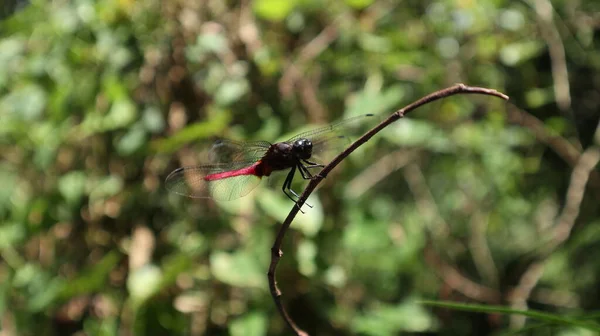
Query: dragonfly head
x=303 y=148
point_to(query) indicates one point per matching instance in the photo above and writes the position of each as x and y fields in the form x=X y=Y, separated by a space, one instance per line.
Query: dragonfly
x=235 y=168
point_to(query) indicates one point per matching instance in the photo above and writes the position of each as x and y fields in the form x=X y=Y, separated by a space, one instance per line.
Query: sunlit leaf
x=132 y=141
x=231 y=91
x=253 y=324
x=385 y=319
x=278 y=206
x=273 y=10
x=26 y=102
x=144 y=282
x=307 y=252
x=72 y=186
x=237 y=269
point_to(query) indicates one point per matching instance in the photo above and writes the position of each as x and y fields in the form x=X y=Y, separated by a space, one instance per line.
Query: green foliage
x=458 y=201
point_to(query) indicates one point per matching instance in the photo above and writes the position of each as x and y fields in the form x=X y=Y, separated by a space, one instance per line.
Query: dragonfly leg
x=288 y=182
x=304 y=171
x=287 y=188
x=311 y=164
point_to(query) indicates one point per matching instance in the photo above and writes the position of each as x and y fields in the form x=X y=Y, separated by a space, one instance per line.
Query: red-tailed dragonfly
x=236 y=168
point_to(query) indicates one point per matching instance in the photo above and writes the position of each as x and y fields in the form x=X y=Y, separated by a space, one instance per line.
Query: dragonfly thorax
x=302 y=148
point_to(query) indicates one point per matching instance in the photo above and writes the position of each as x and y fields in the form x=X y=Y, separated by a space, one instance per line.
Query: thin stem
x=276 y=252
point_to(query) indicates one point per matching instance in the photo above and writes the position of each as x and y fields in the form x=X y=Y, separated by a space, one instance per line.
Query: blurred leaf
x=557 y=125
x=122 y=113
x=231 y=91
x=389 y=320
x=215 y=43
x=8 y=181
x=92 y=279
x=10 y=49
x=173 y=266
x=72 y=186
x=519 y=52
x=40 y=286
x=273 y=10
x=153 y=120
x=417 y=133
x=278 y=206
x=144 y=282
x=252 y=324
x=106 y=187
x=373 y=100
x=198 y=131
x=363 y=235
x=132 y=141
x=307 y=252
x=374 y=43
x=237 y=269
x=336 y=276
x=10 y=235
x=359 y=4
x=539 y=97
x=26 y=102
x=43 y=297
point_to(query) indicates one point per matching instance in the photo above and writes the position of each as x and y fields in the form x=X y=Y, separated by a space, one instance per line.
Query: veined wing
x=219 y=181
x=230 y=151
x=330 y=140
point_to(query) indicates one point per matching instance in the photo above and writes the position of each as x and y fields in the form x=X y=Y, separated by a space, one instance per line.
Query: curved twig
x=276 y=252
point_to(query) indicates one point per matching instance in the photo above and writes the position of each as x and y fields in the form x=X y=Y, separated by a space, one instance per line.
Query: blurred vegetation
x=467 y=200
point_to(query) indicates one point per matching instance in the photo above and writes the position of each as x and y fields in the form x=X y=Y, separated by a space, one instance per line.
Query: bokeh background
x=468 y=200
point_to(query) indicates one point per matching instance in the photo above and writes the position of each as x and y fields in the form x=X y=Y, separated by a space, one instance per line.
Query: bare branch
x=575 y=192
x=276 y=252
x=459 y=282
x=380 y=170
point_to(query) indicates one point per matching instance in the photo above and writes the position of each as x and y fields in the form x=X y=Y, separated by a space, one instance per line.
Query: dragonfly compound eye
x=303 y=148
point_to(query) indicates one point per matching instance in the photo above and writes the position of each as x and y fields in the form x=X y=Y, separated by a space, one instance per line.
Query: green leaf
x=106 y=187
x=336 y=276
x=231 y=91
x=153 y=120
x=520 y=52
x=11 y=234
x=252 y=324
x=273 y=10
x=144 y=282
x=132 y=141
x=216 y=43
x=307 y=252
x=201 y=130
x=278 y=206
x=25 y=103
x=373 y=100
x=385 y=319
x=93 y=278
x=8 y=181
x=238 y=269
x=359 y=4
x=417 y=133
x=72 y=186
x=122 y=113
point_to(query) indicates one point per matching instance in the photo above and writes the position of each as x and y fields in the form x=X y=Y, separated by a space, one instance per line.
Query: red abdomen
x=259 y=169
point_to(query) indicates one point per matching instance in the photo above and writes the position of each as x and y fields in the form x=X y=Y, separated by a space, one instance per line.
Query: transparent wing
x=191 y=182
x=330 y=140
x=226 y=151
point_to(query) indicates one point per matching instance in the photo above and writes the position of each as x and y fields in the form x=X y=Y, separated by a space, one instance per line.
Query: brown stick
x=276 y=252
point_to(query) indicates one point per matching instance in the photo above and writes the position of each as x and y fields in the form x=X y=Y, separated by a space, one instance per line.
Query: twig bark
x=276 y=252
